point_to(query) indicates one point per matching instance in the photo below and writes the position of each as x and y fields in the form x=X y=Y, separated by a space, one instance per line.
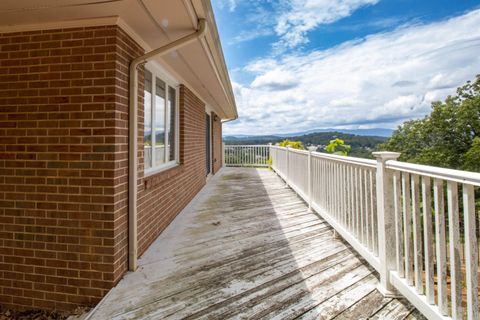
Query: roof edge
x=203 y=9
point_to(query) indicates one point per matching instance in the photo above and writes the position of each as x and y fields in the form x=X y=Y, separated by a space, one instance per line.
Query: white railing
x=246 y=155
x=429 y=262
x=393 y=214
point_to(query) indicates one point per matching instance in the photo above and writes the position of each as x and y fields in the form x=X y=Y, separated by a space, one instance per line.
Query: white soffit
x=152 y=23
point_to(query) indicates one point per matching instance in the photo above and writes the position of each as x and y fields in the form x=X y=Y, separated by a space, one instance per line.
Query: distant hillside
x=362 y=146
x=377 y=132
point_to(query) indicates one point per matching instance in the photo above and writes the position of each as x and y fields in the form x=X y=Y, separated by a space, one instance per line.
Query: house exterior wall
x=217 y=143
x=60 y=154
x=163 y=195
x=64 y=166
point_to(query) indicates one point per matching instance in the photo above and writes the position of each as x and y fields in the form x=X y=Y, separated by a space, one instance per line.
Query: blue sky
x=303 y=64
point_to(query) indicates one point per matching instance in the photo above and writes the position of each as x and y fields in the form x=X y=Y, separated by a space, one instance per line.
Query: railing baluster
x=397 y=193
x=368 y=210
x=407 y=225
x=471 y=251
x=333 y=205
x=352 y=200
x=344 y=197
x=373 y=202
x=428 y=239
x=324 y=182
x=337 y=191
x=360 y=206
x=322 y=185
x=454 y=241
x=417 y=235
x=440 y=247
x=327 y=193
x=329 y=181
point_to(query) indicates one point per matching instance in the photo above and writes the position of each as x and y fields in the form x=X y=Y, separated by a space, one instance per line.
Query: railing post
x=386 y=221
x=310 y=181
x=270 y=155
x=287 y=176
x=223 y=154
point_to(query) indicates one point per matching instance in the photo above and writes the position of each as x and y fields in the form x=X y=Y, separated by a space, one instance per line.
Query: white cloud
x=382 y=79
x=290 y=20
x=230 y=4
x=301 y=16
x=247 y=35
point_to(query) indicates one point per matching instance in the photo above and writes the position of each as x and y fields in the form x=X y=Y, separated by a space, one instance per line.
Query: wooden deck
x=246 y=248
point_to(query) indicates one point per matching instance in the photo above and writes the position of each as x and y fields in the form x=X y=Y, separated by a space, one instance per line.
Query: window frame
x=158 y=72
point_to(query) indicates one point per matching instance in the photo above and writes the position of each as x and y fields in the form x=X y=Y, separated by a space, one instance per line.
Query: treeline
x=449 y=137
x=361 y=146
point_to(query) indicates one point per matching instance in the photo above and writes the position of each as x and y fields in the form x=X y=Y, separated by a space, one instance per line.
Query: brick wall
x=64 y=166
x=63 y=128
x=217 y=143
x=162 y=196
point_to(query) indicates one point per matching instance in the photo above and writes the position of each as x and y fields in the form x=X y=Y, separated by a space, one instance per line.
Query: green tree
x=338 y=146
x=472 y=157
x=448 y=137
x=292 y=144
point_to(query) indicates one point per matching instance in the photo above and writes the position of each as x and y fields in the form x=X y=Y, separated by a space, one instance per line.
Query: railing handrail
x=459 y=176
x=346 y=159
x=246 y=145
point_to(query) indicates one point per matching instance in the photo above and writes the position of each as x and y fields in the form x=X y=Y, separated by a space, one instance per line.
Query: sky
x=298 y=65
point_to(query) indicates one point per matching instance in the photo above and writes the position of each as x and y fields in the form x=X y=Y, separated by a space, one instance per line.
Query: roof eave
x=203 y=9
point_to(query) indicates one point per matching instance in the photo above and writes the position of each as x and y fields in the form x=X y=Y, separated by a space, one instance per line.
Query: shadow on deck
x=247 y=248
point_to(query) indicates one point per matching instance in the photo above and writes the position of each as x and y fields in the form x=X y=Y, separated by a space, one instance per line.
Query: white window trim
x=159 y=72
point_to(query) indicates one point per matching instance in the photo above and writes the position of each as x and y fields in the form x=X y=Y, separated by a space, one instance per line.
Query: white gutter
x=133 y=135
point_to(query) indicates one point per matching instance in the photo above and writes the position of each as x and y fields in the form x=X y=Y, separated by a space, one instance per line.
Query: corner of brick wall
x=63 y=165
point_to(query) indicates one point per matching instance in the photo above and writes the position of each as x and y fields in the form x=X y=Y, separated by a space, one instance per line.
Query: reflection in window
x=172 y=123
x=161 y=121
x=147 y=131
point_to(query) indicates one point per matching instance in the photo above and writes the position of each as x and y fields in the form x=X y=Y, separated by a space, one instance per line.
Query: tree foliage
x=338 y=146
x=448 y=137
x=292 y=144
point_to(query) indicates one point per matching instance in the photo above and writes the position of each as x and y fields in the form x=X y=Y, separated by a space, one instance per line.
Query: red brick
x=63 y=191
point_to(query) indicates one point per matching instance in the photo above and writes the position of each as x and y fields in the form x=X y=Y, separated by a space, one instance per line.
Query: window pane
x=159 y=122
x=147 y=130
x=172 y=125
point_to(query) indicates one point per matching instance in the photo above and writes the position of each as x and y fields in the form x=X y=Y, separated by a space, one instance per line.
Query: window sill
x=160 y=169
x=153 y=178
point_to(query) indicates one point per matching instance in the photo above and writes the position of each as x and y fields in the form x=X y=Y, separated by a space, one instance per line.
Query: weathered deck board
x=246 y=248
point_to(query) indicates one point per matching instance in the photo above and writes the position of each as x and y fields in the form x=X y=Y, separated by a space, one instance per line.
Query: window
x=161 y=122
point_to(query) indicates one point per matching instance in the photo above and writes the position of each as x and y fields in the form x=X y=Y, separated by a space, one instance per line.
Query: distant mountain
x=242 y=137
x=378 y=132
